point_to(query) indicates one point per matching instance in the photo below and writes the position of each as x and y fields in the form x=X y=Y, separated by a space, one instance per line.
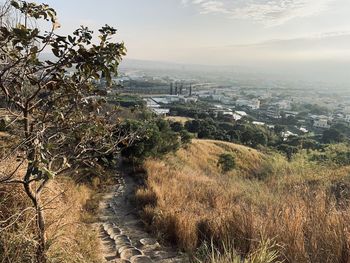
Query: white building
x=258 y=123
x=347 y=118
x=189 y=99
x=217 y=97
x=287 y=134
x=151 y=103
x=284 y=105
x=236 y=117
x=253 y=104
x=172 y=98
x=304 y=130
x=160 y=111
x=273 y=112
x=322 y=123
x=241 y=113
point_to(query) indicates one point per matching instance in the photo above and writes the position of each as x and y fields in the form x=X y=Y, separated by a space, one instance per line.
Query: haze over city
x=305 y=38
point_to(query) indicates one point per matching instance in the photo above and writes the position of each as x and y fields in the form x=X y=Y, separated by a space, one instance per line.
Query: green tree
x=279 y=129
x=259 y=138
x=155 y=139
x=332 y=136
x=60 y=121
x=226 y=162
x=176 y=126
x=186 y=137
x=192 y=126
x=288 y=150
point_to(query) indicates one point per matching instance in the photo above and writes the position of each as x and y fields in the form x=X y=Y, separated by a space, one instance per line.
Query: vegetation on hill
x=209 y=123
x=293 y=211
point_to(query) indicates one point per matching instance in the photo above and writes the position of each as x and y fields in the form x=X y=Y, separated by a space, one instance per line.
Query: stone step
x=121 y=222
x=140 y=259
x=129 y=253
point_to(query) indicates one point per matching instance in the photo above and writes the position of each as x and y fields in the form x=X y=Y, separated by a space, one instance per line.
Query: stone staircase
x=122 y=232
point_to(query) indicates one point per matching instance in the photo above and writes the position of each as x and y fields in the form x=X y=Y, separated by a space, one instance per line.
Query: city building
x=322 y=123
x=347 y=118
x=291 y=113
x=273 y=112
x=284 y=105
x=254 y=104
x=160 y=112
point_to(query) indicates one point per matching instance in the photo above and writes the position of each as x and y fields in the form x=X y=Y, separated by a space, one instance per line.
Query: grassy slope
x=183 y=120
x=188 y=200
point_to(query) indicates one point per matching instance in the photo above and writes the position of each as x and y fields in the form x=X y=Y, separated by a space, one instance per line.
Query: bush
x=155 y=139
x=226 y=162
x=2 y=125
x=186 y=137
x=288 y=150
x=176 y=126
x=333 y=136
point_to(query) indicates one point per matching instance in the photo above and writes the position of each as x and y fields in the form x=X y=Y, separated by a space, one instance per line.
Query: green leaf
x=56 y=52
x=49 y=174
x=15 y=4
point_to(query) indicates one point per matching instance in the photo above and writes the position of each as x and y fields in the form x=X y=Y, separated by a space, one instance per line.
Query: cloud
x=268 y=12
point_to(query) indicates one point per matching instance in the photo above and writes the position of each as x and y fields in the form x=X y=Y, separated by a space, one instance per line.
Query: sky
x=271 y=34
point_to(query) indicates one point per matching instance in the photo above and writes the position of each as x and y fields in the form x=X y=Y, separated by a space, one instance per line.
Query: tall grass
x=265 y=253
x=188 y=201
x=71 y=239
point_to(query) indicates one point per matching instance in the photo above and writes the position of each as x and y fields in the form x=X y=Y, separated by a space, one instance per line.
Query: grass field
x=265 y=208
x=178 y=119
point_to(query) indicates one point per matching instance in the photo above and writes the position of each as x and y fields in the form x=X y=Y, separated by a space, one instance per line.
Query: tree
x=332 y=136
x=60 y=122
x=259 y=138
x=176 y=126
x=155 y=139
x=288 y=150
x=192 y=126
x=279 y=129
x=186 y=137
x=226 y=162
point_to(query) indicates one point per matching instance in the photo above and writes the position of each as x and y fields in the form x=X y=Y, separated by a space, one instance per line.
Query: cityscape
x=309 y=112
x=178 y=131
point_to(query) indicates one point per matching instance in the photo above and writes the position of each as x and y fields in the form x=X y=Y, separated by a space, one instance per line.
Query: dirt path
x=122 y=235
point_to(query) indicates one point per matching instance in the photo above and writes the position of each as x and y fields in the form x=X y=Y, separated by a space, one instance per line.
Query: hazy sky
x=265 y=33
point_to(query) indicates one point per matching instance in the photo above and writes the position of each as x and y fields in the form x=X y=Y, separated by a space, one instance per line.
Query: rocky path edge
x=122 y=235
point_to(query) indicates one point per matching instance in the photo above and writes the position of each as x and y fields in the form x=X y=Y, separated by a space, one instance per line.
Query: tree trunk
x=41 y=249
x=40 y=219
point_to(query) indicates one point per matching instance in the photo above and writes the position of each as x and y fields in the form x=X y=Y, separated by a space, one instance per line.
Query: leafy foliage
x=226 y=162
x=155 y=139
x=61 y=122
x=240 y=132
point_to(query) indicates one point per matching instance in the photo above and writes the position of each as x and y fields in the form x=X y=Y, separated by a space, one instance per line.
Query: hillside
x=266 y=207
x=202 y=156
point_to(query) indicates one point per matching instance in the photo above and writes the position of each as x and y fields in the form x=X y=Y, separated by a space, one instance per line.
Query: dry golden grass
x=69 y=237
x=189 y=201
x=178 y=119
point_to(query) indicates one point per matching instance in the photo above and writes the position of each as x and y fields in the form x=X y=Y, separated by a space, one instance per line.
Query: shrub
x=186 y=137
x=226 y=162
x=2 y=125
